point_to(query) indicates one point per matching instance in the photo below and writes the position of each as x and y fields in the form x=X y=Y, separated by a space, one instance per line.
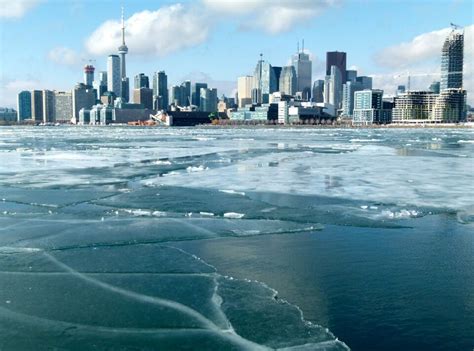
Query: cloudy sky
x=45 y=43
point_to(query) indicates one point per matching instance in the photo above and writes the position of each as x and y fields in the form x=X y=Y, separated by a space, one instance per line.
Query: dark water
x=130 y=238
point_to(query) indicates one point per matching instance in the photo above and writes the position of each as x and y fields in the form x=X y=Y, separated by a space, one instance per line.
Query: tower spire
x=123 y=29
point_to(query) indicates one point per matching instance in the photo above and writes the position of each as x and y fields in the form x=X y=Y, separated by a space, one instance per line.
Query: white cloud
x=64 y=56
x=10 y=89
x=159 y=32
x=273 y=17
x=421 y=57
x=16 y=8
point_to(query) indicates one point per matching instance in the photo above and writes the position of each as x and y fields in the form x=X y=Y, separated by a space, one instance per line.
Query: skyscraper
x=318 y=91
x=100 y=85
x=143 y=96
x=62 y=106
x=244 y=90
x=333 y=87
x=264 y=81
x=37 y=105
x=160 y=90
x=303 y=67
x=338 y=59
x=88 y=74
x=186 y=93
x=288 y=80
x=208 y=99
x=24 y=105
x=48 y=106
x=113 y=74
x=277 y=71
x=196 y=93
x=452 y=61
x=141 y=81
x=83 y=96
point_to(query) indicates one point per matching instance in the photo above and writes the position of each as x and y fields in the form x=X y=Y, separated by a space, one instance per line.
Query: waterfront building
x=303 y=68
x=160 y=90
x=288 y=81
x=244 y=90
x=414 y=107
x=37 y=105
x=369 y=108
x=452 y=59
x=208 y=100
x=263 y=112
x=100 y=85
x=348 y=91
x=264 y=81
x=143 y=96
x=338 y=59
x=141 y=81
x=450 y=106
x=83 y=96
x=24 y=105
x=48 y=106
x=89 y=75
x=8 y=114
x=108 y=98
x=63 y=106
x=113 y=75
x=318 y=91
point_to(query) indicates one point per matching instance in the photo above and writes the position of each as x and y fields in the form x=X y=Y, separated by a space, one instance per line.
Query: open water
x=236 y=239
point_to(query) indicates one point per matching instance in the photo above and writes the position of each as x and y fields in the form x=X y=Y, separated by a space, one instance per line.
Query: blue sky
x=45 y=43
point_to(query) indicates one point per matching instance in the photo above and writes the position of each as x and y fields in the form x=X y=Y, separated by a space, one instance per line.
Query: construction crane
x=456 y=27
x=409 y=75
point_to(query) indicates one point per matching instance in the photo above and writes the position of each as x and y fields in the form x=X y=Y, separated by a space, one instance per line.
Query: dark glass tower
x=338 y=59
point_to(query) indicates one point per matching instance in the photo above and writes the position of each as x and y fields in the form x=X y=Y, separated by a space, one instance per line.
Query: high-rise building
x=100 y=85
x=452 y=59
x=351 y=75
x=400 y=90
x=125 y=89
x=277 y=71
x=143 y=96
x=141 y=81
x=48 y=106
x=244 y=90
x=196 y=93
x=176 y=95
x=366 y=82
x=208 y=99
x=435 y=87
x=23 y=105
x=37 y=105
x=88 y=74
x=333 y=88
x=83 y=96
x=264 y=81
x=160 y=90
x=186 y=93
x=450 y=106
x=348 y=91
x=338 y=59
x=303 y=67
x=318 y=91
x=113 y=75
x=62 y=106
x=288 y=81
x=369 y=107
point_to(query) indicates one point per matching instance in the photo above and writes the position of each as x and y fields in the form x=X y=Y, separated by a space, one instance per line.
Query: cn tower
x=123 y=50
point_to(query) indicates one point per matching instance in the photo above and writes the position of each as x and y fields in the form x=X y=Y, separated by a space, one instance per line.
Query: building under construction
x=452 y=58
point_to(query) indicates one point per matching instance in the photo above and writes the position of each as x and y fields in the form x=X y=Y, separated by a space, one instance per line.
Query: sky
x=45 y=43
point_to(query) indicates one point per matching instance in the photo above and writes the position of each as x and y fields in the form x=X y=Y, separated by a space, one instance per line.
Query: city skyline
x=68 y=61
